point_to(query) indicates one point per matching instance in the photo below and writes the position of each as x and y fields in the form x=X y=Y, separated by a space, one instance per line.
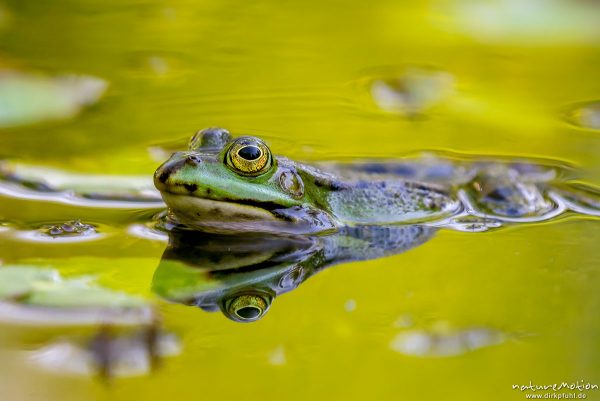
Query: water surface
x=463 y=316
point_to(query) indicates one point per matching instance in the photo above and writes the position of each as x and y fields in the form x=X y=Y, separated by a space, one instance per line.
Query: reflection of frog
x=242 y=274
x=225 y=185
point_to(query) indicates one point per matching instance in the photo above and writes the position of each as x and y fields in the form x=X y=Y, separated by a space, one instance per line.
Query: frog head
x=226 y=184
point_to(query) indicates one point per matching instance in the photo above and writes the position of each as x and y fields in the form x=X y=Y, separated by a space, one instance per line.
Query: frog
x=231 y=184
x=225 y=184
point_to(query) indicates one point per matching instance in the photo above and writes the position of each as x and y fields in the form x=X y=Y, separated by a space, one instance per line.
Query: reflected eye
x=249 y=156
x=247 y=308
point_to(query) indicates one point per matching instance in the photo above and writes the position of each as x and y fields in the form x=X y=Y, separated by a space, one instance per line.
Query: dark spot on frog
x=282 y=214
x=168 y=169
x=249 y=202
x=191 y=187
x=164 y=176
x=332 y=185
x=208 y=191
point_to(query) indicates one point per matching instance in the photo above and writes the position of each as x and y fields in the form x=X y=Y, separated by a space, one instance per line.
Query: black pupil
x=249 y=152
x=248 y=312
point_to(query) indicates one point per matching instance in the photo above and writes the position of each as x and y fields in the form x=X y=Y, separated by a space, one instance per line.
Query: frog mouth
x=191 y=208
x=234 y=216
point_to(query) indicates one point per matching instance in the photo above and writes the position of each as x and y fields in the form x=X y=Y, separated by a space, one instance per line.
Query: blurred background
x=103 y=86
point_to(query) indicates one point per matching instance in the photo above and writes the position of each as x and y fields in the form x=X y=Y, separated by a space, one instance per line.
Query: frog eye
x=249 y=156
x=247 y=308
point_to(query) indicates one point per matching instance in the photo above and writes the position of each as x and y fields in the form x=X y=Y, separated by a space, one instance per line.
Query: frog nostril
x=192 y=160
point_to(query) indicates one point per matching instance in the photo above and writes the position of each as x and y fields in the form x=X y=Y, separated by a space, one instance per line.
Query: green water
x=297 y=74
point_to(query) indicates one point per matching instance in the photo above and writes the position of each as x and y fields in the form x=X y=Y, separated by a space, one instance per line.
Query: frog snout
x=161 y=175
x=167 y=179
x=167 y=170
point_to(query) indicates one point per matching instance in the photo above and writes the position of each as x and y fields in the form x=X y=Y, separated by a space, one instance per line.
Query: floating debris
x=445 y=342
x=411 y=92
x=124 y=355
x=29 y=98
x=277 y=356
x=71 y=228
x=158 y=65
x=404 y=321
x=350 y=305
x=153 y=65
x=584 y=115
x=522 y=21
x=70 y=231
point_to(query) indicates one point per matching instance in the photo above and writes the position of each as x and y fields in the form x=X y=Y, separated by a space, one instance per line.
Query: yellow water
x=297 y=73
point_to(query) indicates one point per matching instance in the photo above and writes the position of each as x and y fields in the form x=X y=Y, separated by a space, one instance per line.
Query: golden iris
x=249 y=156
x=247 y=308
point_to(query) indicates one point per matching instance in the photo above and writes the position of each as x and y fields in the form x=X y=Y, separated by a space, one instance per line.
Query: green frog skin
x=224 y=184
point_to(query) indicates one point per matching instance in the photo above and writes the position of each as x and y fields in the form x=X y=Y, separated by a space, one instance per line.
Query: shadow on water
x=241 y=275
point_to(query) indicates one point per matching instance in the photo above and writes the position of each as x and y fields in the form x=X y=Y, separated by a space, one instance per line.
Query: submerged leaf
x=44 y=287
x=28 y=98
x=19 y=281
x=75 y=293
